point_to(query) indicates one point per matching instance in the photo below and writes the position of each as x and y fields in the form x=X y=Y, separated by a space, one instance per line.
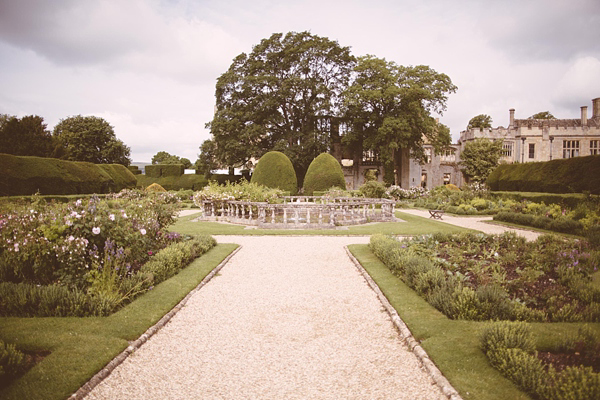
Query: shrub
x=323 y=172
x=30 y=175
x=575 y=383
x=155 y=187
x=508 y=335
x=12 y=361
x=275 y=170
x=373 y=189
x=163 y=170
x=183 y=182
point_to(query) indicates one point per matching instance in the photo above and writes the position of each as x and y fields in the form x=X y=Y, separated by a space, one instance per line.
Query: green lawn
x=451 y=344
x=411 y=225
x=80 y=347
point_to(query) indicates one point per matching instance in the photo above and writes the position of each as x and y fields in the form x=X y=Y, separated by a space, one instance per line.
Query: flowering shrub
x=243 y=190
x=397 y=193
x=61 y=243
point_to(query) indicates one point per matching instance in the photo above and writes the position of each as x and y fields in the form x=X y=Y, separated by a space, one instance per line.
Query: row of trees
x=303 y=95
x=77 y=138
x=484 y=121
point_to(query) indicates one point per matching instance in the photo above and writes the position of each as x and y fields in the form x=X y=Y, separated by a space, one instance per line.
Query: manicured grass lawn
x=80 y=347
x=454 y=345
x=411 y=225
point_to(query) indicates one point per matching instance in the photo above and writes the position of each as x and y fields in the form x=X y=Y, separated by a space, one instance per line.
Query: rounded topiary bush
x=324 y=172
x=275 y=170
x=155 y=187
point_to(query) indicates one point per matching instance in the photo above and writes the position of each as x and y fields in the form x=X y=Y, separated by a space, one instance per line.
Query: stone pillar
x=512 y=118
x=584 y=116
x=596 y=108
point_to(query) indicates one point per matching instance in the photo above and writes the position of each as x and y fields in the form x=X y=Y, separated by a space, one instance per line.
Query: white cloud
x=579 y=84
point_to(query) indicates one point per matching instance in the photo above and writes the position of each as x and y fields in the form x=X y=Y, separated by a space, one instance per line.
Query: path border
x=407 y=336
x=84 y=390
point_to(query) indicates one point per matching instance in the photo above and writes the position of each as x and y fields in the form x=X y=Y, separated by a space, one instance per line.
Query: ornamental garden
x=83 y=274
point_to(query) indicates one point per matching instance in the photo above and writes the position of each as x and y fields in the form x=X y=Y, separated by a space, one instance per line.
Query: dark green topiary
x=323 y=173
x=162 y=170
x=275 y=170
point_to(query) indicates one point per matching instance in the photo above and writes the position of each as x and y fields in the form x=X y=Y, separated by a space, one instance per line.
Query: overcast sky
x=149 y=67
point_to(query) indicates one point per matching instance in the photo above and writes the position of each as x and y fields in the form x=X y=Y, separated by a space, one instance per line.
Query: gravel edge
x=115 y=362
x=443 y=383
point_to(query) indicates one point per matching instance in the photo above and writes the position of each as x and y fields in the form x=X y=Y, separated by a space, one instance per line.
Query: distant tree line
x=77 y=138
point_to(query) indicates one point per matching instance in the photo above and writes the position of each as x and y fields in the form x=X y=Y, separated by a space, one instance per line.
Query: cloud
x=579 y=84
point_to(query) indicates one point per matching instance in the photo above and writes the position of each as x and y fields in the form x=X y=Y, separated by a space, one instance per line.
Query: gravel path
x=287 y=317
x=476 y=222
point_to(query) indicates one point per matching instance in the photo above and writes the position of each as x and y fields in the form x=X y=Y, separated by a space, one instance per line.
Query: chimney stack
x=512 y=117
x=584 y=116
x=596 y=108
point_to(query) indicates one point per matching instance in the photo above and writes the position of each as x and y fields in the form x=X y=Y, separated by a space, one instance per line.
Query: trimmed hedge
x=162 y=170
x=134 y=169
x=275 y=170
x=563 y=225
x=26 y=175
x=574 y=175
x=183 y=182
x=570 y=200
x=323 y=173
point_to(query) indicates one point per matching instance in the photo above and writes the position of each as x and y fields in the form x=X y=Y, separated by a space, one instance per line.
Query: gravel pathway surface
x=475 y=222
x=286 y=318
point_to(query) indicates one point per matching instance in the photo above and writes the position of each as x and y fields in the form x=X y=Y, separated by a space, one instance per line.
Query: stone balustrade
x=301 y=212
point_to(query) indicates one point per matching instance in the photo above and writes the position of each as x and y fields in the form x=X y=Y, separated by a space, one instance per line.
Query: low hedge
x=29 y=300
x=569 y=200
x=26 y=175
x=574 y=175
x=562 y=225
x=183 y=182
x=509 y=347
x=163 y=170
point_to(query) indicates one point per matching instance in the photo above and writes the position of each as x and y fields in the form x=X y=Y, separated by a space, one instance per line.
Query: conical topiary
x=155 y=187
x=275 y=170
x=323 y=173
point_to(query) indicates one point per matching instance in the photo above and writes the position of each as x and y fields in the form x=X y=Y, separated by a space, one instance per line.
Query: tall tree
x=91 y=139
x=481 y=121
x=388 y=110
x=275 y=97
x=25 y=136
x=479 y=158
x=543 y=115
x=162 y=157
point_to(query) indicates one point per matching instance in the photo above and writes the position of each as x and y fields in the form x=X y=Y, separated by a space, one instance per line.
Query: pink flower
x=143 y=231
x=95 y=230
x=111 y=217
x=16 y=246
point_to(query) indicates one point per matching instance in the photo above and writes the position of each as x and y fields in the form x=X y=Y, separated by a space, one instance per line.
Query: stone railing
x=301 y=212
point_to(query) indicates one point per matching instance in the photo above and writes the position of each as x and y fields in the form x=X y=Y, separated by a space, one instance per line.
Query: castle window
x=570 y=148
x=447 y=177
x=423 y=179
x=594 y=147
x=448 y=155
x=531 y=150
x=507 y=149
x=427 y=156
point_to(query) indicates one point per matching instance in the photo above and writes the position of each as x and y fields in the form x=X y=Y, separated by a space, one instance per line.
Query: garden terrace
x=301 y=212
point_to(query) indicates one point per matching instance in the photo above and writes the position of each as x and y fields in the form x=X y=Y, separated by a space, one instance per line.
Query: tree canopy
x=292 y=93
x=479 y=158
x=543 y=115
x=25 y=136
x=91 y=139
x=481 y=121
x=162 y=157
x=388 y=108
x=279 y=97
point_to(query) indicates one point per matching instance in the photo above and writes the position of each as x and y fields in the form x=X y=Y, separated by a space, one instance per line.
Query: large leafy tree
x=25 y=136
x=479 y=158
x=481 y=121
x=91 y=139
x=543 y=115
x=280 y=97
x=388 y=109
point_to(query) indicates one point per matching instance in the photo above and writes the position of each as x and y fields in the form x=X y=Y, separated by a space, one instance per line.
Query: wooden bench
x=436 y=214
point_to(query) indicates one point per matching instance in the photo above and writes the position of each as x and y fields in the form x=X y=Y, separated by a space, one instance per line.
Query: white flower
x=69 y=222
x=143 y=231
x=95 y=230
x=71 y=238
x=16 y=246
x=78 y=202
x=111 y=217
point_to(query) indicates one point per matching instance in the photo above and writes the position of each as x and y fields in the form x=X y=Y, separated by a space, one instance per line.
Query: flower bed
x=482 y=277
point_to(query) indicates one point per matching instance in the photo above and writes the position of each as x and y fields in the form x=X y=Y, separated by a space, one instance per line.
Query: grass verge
x=409 y=226
x=453 y=345
x=80 y=347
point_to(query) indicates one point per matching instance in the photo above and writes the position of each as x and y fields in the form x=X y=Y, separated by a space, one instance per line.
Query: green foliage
x=323 y=173
x=243 y=190
x=12 y=361
x=182 y=182
x=373 y=189
x=162 y=157
x=479 y=158
x=25 y=136
x=481 y=121
x=573 y=175
x=30 y=175
x=164 y=170
x=390 y=107
x=134 y=169
x=90 y=139
x=273 y=99
x=275 y=170
x=563 y=225
x=543 y=115
x=508 y=335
